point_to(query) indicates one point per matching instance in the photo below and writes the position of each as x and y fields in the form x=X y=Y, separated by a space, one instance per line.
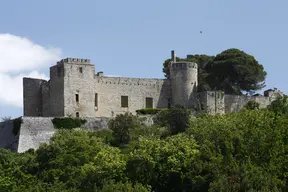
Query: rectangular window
x=77 y=98
x=77 y=114
x=124 y=101
x=96 y=100
x=81 y=69
x=149 y=102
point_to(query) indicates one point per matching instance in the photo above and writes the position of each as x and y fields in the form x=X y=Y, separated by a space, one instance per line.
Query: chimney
x=173 y=56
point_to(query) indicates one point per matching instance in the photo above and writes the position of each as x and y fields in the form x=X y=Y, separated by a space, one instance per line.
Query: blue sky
x=132 y=38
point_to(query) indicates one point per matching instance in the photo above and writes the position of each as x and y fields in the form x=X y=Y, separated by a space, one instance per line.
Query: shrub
x=68 y=122
x=121 y=126
x=176 y=119
x=149 y=111
x=279 y=105
x=251 y=105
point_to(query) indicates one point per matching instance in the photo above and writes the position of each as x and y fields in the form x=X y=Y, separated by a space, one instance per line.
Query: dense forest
x=244 y=151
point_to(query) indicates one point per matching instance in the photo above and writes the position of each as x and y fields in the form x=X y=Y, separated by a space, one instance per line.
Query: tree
x=234 y=71
x=121 y=126
x=231 y=71
x=176 y=119
x=251 y=105
x=201 y=61
x=279 y=105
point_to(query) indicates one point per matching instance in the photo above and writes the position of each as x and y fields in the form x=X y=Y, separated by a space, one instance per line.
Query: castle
x=75 y=90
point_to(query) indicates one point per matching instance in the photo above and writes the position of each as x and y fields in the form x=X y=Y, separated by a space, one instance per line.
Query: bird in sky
x=200 y=31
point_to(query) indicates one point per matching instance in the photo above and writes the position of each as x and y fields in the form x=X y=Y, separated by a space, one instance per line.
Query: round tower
x=184 y=82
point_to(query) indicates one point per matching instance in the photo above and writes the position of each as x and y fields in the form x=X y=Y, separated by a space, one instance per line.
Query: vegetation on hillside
x=232 y=71
x=245 y=151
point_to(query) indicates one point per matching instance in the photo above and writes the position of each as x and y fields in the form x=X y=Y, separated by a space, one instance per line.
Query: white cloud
x=21 y=57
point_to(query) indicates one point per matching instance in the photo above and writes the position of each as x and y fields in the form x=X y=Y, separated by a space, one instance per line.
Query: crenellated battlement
x=183 y=65
x=74 y=61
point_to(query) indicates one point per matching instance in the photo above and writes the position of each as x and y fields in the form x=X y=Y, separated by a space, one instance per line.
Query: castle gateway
x=75 y=90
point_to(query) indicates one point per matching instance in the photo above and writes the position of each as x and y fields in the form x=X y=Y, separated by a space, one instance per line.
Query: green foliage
x=149 y=111
x=245 y=151
x=234 y=71
x=279 y=105
x=68 y=122
x=251 y=105
x=252 y=140
x=201 y=60
x=175 y=119
x=17 y=125
x=6 y=118
x=111 y=186
x=121 y=126
x=163 y=164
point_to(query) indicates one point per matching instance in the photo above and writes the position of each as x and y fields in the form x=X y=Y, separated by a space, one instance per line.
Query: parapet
x=74 y=61
x=183 y=65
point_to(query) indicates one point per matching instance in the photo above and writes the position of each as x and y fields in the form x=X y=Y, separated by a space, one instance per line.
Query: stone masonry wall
x=32 y=96
x=79 y=79
x=110 y=90
x=7 y=138
x=37 y=130
x=234 y=103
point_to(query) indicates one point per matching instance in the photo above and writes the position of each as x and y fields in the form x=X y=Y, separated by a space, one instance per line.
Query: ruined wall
x=110 y=90
x=32 y=96
x=213 y=102
x=7 y=138
x=234 y=103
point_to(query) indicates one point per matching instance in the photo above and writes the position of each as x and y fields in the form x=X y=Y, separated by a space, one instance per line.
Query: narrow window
x=96 y=100
x=77 y=98
x=77 y=114
x=169 y=103
x=81 y=69
x=124 y=101
x=149 y=102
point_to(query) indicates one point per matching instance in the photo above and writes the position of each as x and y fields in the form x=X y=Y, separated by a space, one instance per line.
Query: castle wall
x=57 y=90
x=110 y=90
x=7 y=138
x=80 y=83
x=234 y=103
x=37 y=130
x=184 y=82
x=32 y=96
x=213 y=102
x=46 y=99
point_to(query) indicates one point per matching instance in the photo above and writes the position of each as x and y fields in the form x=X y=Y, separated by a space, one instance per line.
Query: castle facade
x=75 y=90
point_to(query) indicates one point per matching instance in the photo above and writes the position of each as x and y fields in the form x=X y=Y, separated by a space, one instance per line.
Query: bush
x=251 y=105
x=279 y=105
x=68 y=122
x=176 y=119
x=149 y=111
x=121 y=126
x=123 y=187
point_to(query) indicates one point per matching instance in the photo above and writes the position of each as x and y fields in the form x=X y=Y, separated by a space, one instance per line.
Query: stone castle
x=75 y=90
